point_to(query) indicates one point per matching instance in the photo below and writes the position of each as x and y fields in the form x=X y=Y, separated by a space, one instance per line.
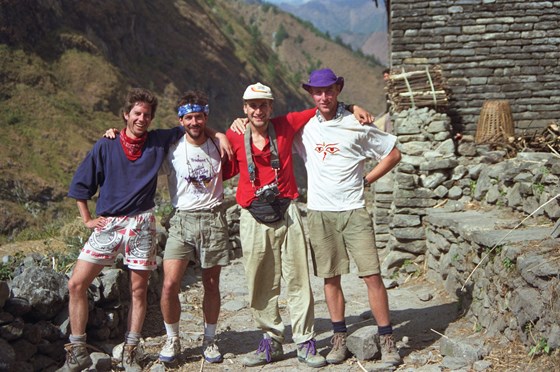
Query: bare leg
x=211 y=302
x=173 y=271
x=378 y=301
x=139 y=290
x=334 y=298
x=81 y=279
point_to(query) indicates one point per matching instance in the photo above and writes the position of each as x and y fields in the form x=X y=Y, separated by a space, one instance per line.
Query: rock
x=114 y=285
x=45 y=289
x=12 y=331
x=364 y=343
x=24 y=350
x=43 y=362
x=482 y=365
x=4 y=293
x=468 y=350
x=425 y=297
x=7 y=356
x=454 y=363
x=17 y=306
x=234 y=305
x=101 y=361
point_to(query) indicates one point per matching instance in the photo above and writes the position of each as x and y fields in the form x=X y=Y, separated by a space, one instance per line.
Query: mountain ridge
x=356 y=22
x=65 y=67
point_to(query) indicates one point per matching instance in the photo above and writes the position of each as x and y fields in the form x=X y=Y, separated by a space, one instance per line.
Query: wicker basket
x=495 y=124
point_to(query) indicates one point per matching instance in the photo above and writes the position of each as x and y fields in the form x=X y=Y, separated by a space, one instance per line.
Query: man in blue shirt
x=125 y=172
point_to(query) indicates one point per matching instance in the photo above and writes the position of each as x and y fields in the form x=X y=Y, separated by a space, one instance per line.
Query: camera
x=268 y=193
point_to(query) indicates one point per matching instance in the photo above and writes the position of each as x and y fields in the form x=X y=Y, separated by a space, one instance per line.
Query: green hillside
x=66 y=65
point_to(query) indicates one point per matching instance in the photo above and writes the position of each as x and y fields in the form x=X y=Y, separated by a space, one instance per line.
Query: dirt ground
x=422 y=322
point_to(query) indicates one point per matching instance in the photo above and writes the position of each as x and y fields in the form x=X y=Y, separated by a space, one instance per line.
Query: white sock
x=172 y=330
x=210 y=331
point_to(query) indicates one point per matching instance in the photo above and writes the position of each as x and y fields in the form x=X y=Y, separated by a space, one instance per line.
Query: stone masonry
x=488 y=49
x=450 y=207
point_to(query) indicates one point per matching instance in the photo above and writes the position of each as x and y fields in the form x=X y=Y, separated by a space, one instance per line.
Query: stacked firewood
x=418 y=88
x=543 y=140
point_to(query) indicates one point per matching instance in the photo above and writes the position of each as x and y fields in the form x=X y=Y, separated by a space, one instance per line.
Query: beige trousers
x=272 y=252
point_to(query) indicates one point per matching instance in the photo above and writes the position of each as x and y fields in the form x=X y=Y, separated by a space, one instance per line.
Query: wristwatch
x=366 y=183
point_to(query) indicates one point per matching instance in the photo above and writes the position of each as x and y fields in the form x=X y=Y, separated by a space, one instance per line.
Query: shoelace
x=130 y=355
x=71 y=353
x=310 y=346
x=388 y=342
x=265 y=346
x=337 y=341
x=212 y=348
x=169 y=343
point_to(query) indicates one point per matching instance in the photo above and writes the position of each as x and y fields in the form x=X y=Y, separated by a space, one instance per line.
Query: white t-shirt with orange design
x=334 y=153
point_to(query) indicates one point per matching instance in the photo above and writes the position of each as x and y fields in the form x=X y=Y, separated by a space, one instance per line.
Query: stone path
x=418 y=309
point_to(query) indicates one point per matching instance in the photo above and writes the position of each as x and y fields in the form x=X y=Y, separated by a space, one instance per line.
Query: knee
x=211 y=286
x=77 y=287
x=374 y=281
x=139 y=291
x=170 y=288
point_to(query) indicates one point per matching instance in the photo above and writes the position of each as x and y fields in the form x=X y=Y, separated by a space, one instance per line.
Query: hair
x=137 y=95
x=387 y=71
x=193 y=97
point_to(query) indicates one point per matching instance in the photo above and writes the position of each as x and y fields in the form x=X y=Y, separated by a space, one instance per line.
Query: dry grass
x=515 y=357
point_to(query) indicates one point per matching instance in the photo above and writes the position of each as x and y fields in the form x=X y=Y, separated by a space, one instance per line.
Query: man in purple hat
x=334 y=147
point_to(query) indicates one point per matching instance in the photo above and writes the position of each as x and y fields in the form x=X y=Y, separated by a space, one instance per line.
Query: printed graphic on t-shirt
x=326 y=149
x=200 y=174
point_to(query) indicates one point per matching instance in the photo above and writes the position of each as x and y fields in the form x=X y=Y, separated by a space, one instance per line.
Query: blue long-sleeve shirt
x=125 y=187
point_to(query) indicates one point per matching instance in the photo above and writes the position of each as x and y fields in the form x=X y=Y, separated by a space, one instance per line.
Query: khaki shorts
x=198 y=236
x=134 y=236
x=336 y=235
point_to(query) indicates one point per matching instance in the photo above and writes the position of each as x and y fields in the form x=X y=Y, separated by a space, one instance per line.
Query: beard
x=195 y=133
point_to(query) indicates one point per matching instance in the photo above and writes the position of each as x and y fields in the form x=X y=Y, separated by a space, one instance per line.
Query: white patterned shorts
x=133 y=236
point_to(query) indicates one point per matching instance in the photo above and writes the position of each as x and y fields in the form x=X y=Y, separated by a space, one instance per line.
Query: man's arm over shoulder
x=230 y=167
x=168 y=137
x=298 y=119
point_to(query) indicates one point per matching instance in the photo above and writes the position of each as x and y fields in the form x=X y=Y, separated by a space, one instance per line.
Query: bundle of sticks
x=420 y=88
x=543 y=140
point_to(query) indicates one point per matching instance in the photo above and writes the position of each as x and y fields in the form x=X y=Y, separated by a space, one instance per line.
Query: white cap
x=257 y=91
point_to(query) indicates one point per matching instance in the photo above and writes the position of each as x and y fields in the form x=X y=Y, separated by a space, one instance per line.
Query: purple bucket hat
x=323 y=78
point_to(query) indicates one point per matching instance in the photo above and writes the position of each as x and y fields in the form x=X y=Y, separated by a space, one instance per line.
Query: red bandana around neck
x=132 y=146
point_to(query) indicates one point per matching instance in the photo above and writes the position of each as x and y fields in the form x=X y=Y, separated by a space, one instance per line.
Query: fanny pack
x=265 y=212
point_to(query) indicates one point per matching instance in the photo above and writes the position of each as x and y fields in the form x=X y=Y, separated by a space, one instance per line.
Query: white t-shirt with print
x=194 y=175
x=334 y=153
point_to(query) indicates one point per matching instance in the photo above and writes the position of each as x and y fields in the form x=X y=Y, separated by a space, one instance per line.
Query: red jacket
x=286 y=127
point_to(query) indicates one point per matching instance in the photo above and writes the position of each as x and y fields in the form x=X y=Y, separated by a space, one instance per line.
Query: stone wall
x=488 y=49
x=34 y=324
x=451 y=205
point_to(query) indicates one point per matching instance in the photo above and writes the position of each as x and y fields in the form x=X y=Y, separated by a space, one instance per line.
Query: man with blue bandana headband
x=198 y=229
x=195 y=185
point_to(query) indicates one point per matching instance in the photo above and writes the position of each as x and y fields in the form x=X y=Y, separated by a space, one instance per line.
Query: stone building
x=488 y=49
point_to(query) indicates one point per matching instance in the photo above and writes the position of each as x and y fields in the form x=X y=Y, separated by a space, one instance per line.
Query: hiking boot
x=307 y=353
x=170 y=350
x=211 y=352
x=129 y=358
x=389 y=352
x=269 y=350
x=339 y=351
x=77 y=358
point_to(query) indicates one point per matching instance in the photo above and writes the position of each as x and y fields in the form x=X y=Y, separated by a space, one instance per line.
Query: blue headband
x=190 y=107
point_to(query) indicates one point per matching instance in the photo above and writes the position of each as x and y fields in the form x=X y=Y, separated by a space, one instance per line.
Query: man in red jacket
x=271 y=233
